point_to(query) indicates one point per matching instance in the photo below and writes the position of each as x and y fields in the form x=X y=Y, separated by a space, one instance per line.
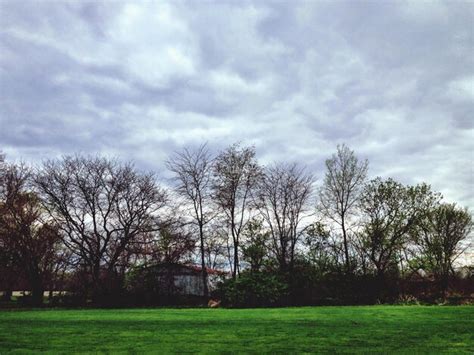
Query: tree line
x=284 y=238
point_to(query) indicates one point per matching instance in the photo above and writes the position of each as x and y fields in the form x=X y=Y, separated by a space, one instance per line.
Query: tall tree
x=101 y=207
x=391 y=212
x=283 y=197
x=341 y=189
x=440 y=238
x=192 y=175
x=236 y=174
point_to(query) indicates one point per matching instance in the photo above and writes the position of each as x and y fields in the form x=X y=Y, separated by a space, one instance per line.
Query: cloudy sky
x=394 y=81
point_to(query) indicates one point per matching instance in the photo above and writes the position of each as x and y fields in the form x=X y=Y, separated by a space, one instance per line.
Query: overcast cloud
x=394 y=81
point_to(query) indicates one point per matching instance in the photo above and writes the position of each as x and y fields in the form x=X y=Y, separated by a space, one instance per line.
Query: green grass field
x=408 y=329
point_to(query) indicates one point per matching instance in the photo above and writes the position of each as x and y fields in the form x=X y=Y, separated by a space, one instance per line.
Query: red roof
x=210 y=271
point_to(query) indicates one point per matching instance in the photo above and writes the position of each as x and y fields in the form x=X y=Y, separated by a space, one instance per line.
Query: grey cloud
x=140 y=80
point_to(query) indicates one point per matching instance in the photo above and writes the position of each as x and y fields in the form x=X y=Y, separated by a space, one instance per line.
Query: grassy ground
x=408 y=329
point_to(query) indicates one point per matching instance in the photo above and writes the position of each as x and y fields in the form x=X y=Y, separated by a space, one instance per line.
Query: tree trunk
x=235 y=239
x=445 y=285
x=37 y=291
x=346 y=247
x=381 y=286
x=203 y=263
x=96 y=283
x=7 y=295
x=236 y=259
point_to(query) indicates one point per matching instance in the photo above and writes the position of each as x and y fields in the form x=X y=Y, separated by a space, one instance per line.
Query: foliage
x=256 y=244
x=142 y=284
x=173 y=245
x=439 y=238
x=391 y=213
x=320 y=252
x=254 y=289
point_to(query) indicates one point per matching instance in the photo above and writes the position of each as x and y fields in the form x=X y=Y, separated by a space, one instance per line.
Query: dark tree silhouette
x=101 y=207
x=29 y=241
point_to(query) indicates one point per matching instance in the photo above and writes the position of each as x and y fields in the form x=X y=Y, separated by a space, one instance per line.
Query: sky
x=140 y=80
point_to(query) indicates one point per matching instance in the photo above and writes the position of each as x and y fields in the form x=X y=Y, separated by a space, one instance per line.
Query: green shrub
x=254 y=289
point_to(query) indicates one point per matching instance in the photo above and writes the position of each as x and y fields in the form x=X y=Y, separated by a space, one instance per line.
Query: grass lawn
x=408 y=329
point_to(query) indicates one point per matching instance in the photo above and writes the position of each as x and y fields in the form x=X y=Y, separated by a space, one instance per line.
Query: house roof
x=210 y=271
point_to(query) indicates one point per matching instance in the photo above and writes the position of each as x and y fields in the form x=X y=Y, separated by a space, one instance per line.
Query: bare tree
x=341 y=189
x=101 y=206
x=192 y=170
x=283 y=197
x=236 y=174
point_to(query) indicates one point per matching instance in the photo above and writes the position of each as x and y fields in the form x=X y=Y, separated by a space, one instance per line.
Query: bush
x=407 y=300
x=254 y=289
